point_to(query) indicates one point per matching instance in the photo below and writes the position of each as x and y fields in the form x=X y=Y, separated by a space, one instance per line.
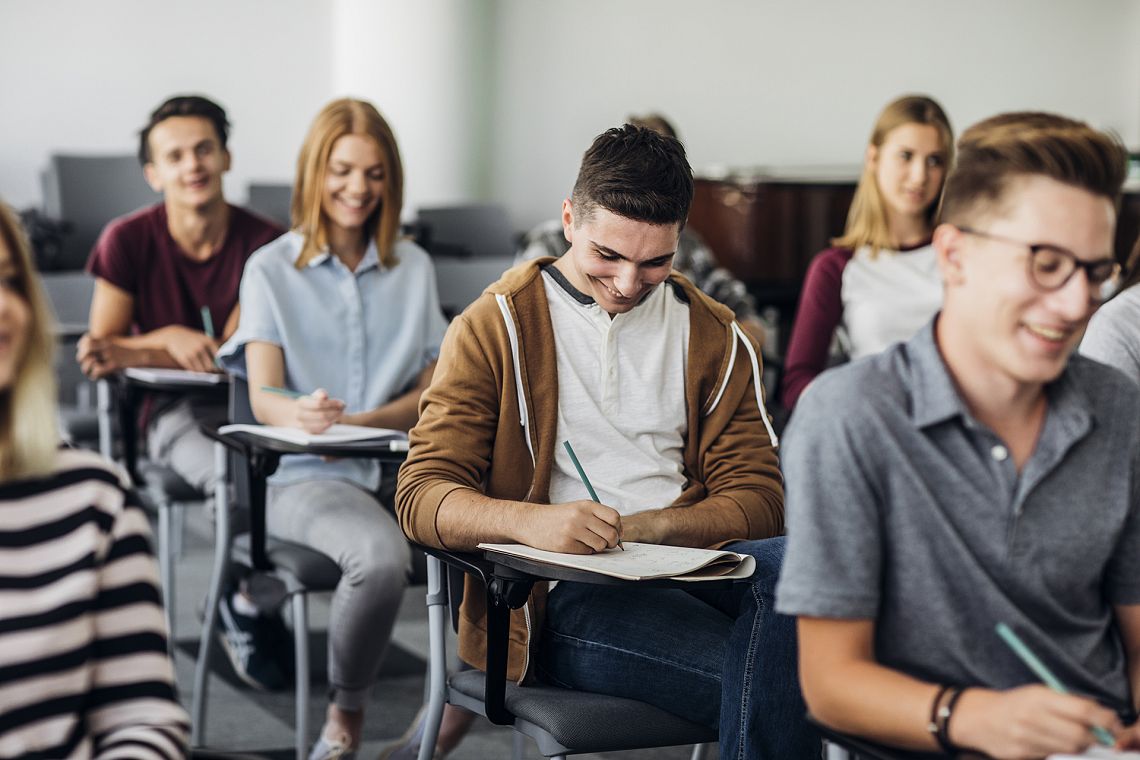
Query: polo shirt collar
x=936 y=398
x=934 y=394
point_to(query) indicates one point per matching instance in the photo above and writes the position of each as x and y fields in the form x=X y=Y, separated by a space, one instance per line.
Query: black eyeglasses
x=1051 y=266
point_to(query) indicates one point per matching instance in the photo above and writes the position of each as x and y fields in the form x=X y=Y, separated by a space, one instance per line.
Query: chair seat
x=312 y=569
x=590 y=722
x=79 y=427
x=169 y=482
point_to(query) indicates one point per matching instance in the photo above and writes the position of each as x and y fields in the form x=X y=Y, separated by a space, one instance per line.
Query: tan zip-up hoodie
x=496 y=386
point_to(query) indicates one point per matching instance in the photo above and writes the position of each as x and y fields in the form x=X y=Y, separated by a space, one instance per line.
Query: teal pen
x=1026 y=655
x=207 y=322
x=208 y=328
x=585 y=480
x=283 y=391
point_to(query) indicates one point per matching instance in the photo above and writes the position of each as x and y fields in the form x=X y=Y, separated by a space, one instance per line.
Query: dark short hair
x=184 y=105
x=995 y=152
x=636 y=173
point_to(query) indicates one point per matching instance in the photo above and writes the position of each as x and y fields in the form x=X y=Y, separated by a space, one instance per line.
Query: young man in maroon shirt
x=165 y=276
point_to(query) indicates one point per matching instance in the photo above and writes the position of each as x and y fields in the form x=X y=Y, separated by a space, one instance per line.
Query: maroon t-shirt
x=137 y=254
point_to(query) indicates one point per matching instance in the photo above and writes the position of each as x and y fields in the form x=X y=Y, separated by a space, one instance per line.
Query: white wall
x=425 y=65
x=83 y=76
x=780 y=82
x=497 y=99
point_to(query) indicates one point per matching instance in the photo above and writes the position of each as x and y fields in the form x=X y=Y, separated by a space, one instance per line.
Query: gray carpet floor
x=242 y=719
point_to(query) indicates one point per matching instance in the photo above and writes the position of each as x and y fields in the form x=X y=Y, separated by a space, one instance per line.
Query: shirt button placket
x=355 y=358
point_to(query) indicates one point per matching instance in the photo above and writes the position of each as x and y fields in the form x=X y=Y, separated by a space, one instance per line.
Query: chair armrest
x=472 y=563
x=506 y=589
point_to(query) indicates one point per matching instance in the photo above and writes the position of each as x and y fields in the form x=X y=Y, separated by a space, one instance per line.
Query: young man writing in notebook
x=166 y=278
x=658 y=390
x=980 y=474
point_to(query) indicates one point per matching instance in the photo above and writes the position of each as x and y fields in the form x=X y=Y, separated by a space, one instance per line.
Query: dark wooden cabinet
x=765 y=228
x=1127 y=225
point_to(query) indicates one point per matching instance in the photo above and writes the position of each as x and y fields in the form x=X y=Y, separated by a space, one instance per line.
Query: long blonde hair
x=867 y=217
x=339 y=118
x=29 y=428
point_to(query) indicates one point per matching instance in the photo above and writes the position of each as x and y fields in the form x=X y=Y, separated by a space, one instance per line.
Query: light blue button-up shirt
x=364 y=335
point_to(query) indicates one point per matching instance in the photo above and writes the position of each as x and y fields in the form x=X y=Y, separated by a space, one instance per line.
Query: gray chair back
x=88 y=192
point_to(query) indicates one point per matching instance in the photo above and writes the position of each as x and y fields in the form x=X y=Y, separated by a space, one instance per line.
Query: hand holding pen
x=586 y=482
x=315 y=412
x=1030 y=721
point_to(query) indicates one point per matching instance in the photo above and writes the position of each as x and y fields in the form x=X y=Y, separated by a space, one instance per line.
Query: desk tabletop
x=175 y=380
x=380 y=450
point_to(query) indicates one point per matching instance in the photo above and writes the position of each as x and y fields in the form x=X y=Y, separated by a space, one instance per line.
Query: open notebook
x=1105 y=752
x=644 y=561
x=397 y=439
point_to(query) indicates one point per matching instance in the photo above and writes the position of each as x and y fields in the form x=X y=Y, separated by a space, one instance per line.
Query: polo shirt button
x=999 y=453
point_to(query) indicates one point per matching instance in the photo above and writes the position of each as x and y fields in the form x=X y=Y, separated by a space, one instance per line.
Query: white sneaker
x=336 y=749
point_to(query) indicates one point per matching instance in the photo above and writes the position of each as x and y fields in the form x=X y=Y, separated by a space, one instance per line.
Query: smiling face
x=354 y=185
x=1002 y=322
x=187 y=161
x=909 y=167
x=15 y=319
x=615 y=260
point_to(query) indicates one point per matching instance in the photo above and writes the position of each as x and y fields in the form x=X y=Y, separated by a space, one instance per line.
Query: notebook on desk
x=336 y=434
x=174 y=376
x=644 y=561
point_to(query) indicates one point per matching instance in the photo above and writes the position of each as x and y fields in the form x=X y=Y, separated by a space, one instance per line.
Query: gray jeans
x=360 y=534
x=174 y=439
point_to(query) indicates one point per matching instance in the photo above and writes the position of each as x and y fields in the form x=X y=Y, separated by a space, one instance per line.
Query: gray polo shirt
x=903 y=508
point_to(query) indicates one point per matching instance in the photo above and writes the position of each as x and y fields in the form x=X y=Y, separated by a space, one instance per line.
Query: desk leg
x=437 y=599
x=103 y=410
x=223 y=535
x=261 y=464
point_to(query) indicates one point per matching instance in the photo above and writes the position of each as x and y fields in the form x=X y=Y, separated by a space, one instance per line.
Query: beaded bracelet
x=943 y=722
x=932 y=725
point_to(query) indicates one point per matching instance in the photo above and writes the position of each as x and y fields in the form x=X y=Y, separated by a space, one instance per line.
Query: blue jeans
x=721 y=658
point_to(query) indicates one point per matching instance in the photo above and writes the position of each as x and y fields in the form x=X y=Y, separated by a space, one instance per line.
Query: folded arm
x=109 y=347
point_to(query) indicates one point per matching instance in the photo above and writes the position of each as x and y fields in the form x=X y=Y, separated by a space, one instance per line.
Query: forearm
x=271 y=409
x=1134 y=678
x=142 y=351
x=402 y=412
x=398 y=414
x=467 y=518
x=711 y=521
x=867 y=699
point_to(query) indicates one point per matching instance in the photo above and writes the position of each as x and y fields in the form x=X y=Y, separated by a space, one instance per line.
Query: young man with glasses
x=982 y=474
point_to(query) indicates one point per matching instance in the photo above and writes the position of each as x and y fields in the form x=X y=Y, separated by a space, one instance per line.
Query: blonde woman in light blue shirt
x=342 y=311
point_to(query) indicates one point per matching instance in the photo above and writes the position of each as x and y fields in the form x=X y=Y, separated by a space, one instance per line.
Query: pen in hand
x=207 y=322
x=283 y=391
x=585 y=480
x=1026 y=655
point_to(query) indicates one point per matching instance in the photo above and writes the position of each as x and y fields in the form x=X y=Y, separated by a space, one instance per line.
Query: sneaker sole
x=235 y=665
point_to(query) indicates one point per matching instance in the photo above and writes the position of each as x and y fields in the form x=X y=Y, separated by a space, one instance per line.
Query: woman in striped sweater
x=83 y=664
